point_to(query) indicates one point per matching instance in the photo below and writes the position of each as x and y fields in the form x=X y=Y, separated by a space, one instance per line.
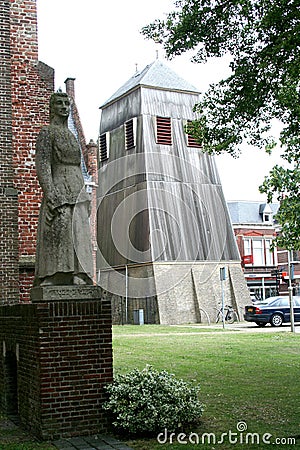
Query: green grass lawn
x=248 y=377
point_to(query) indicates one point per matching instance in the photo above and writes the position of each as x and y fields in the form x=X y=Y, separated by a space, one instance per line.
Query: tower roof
x=157 y=75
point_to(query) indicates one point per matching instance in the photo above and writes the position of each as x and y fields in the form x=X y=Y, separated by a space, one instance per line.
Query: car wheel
x=276 y=320
x=261 y=324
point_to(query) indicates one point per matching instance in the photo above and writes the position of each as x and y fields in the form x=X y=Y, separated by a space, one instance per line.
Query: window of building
x=104 y=146
x=266 y=213
x=258 y=252
x=261 y=250
x=191 y=141
x=130 y=133
x=247 y=247
x=163 y=130
x=269 y=253
x=267 y=218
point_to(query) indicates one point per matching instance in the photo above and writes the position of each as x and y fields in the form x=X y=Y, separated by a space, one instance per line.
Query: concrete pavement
x=95 y=442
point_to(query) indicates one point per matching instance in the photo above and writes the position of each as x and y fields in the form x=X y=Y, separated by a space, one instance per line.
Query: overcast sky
x=99 y=44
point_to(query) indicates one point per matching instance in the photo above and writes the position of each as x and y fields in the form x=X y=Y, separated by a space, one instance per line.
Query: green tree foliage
x=285 y=184
x=263 y=39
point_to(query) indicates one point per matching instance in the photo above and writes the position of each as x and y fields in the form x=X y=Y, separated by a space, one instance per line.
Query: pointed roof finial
x=156 y=54
x=136 y=68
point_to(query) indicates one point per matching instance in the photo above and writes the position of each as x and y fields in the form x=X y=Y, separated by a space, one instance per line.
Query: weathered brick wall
x=26 y=277
x=70 y=90
x=64 y=358
x=19 y=336
x=25 y=87
x=90 y=155
x=8 y=196
x=31 y=85
x=91 y=162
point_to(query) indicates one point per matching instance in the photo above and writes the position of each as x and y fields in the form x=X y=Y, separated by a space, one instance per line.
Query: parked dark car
x=264 y=301
x=276 y=312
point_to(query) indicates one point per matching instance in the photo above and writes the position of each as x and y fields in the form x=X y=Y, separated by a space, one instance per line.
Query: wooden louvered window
x=163 y=130
x=104 y=146
x=191 y=141
x=130 y=133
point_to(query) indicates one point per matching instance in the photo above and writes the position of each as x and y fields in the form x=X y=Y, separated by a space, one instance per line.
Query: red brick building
x=8 y=195
x=25 y=87
x=265 y=268
x=89 y=161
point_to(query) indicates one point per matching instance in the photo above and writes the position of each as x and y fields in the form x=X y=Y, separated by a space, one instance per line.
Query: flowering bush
x=148 y=401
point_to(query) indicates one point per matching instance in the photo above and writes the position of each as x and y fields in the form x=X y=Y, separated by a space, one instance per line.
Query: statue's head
x=59 y=105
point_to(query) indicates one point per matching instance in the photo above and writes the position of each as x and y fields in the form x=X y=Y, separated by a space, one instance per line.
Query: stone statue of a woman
x=63 y=255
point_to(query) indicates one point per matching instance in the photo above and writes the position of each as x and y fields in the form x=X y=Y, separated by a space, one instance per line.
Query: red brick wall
x=26 y=277
x=241 y=233
x=25 y=87
x=31 y=83
x=90 y=153
x=70 y=90
x=9 y=291
x=91 y=162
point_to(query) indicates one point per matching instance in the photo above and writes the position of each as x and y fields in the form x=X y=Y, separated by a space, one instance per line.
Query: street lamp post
x=223 y=278
x=291 y=300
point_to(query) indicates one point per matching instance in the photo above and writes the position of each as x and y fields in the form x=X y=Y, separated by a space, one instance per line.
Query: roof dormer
x=266 y=213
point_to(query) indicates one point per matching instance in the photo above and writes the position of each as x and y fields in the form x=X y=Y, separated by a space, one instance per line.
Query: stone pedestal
x=62 y=293
x=62 y=343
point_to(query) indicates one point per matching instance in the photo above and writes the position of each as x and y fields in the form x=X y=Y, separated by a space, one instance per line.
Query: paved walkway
x=243 y=326
x=11 y=426
x=98 y=442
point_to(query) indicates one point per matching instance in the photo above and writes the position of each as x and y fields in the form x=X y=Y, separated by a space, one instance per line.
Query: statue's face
x=61 y=106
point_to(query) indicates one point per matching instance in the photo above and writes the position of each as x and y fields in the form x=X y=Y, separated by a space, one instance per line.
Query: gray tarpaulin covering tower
x=164 y=230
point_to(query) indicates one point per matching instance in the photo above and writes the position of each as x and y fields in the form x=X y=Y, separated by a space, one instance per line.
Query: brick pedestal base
x=56 y=359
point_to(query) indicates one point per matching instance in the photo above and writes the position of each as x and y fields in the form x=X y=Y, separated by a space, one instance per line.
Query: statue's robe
x=63 y=238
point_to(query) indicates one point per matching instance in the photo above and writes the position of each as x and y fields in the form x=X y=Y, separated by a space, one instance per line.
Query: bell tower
x=164 y=229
